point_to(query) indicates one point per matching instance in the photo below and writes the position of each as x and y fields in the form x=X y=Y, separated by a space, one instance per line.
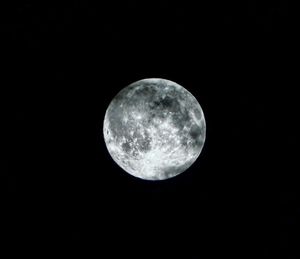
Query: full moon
x=154 y=129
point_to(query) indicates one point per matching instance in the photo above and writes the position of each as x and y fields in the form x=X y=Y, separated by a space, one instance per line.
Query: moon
x=154 y=129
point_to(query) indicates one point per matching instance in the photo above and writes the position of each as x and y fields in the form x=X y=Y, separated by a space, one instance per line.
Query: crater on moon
x=154 y=129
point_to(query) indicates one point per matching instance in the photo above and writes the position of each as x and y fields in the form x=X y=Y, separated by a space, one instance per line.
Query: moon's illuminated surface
x=154 y=129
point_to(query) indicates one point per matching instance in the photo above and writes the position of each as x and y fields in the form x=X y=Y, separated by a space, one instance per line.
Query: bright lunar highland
x=154 y=129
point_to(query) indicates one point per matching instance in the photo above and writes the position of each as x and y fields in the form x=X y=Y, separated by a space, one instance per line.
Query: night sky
x=64 y=194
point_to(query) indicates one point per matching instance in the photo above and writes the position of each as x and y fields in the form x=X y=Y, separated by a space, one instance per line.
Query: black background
x=63 y=65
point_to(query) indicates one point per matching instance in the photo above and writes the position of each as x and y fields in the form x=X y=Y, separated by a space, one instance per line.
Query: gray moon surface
x=154 y=129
